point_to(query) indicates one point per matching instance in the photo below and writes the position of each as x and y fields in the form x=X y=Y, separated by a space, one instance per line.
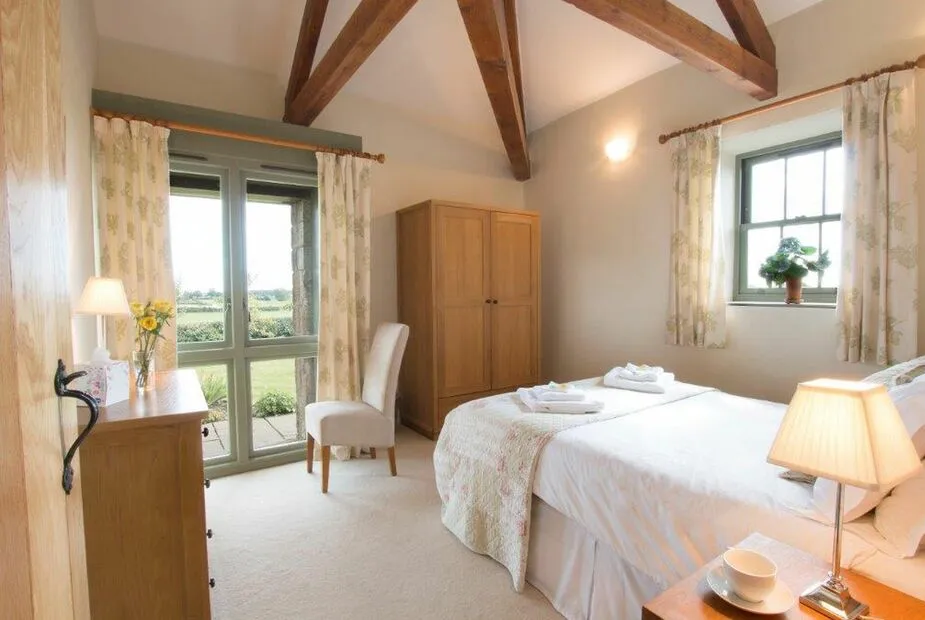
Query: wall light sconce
x=618 y=149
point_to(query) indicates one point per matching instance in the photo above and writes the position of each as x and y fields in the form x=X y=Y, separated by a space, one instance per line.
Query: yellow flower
x=137 y=309
x=163 y=307
x=148 y=323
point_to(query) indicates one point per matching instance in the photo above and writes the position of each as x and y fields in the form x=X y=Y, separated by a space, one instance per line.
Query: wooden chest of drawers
x=144 y=505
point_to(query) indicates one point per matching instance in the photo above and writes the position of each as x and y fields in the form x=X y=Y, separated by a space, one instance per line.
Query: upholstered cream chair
x=368 y=422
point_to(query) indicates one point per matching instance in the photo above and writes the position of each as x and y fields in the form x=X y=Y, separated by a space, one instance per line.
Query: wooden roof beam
x=665 y=26
x=492 y=29
x=304 y=57
x=749 y=28
x=369 y=25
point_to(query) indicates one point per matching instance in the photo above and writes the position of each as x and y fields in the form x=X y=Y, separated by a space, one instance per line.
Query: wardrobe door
x=463 y=300
x=515 y=281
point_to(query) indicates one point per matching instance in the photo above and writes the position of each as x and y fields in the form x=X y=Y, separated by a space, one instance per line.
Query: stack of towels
x=558 y=398
x=643 y=378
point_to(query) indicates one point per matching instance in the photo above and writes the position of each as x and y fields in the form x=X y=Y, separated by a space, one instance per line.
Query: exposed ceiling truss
x=747 y=64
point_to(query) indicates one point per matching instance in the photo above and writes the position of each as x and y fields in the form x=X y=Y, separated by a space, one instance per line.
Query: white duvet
x=672 y=486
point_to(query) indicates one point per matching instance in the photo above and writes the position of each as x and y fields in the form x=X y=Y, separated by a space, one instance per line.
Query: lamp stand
x=831 y=597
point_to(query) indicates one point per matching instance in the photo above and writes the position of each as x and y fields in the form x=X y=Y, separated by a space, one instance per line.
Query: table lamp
x=102 y=297
x=106 y=380
x=849 y=432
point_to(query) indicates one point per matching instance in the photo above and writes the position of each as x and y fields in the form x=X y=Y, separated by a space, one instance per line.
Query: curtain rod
x=912 y=64
x=222 y=133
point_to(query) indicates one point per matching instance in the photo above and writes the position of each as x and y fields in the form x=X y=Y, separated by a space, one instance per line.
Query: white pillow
x=858 y=502
x=909 y=399
x=900 y=518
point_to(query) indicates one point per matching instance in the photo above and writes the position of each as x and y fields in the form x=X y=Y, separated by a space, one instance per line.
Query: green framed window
x=793 y=190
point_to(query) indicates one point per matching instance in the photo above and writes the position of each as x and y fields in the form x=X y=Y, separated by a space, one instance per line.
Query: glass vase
x=143 y=367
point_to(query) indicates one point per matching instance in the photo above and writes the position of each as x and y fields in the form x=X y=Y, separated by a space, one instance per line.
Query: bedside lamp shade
x=845 y=431
x=103 y=297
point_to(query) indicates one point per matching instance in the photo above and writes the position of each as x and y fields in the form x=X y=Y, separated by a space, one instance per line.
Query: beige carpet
x=373 y=547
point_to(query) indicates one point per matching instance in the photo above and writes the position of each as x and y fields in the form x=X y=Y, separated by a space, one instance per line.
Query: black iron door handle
x=61 y=389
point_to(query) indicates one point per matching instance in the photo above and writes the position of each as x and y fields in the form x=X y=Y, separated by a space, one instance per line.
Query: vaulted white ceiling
x=425 y=66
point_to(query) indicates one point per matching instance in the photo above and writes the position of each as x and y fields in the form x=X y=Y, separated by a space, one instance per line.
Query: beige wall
x=606 y=226
x=78 y=51
x=424 y=160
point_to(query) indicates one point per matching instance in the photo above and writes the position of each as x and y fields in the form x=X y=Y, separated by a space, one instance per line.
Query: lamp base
x=831 y=598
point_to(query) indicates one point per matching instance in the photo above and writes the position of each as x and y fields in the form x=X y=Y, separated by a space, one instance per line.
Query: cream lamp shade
x=846 y=431
x=103 y=297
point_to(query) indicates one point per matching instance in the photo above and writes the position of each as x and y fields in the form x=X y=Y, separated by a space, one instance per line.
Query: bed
x=622 y=505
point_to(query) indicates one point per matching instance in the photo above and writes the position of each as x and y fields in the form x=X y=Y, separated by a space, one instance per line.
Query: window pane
x=831 y=241
x=214 y=382
x=804 y=185
x=196 y=241
x=281 y=260
x=762 y=242
x=808 y=234
x=767 y=192
x=280 y=389
x=834 y=180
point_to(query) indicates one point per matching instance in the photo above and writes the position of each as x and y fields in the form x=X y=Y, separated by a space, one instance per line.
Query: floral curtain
x=697 y=298
x=343 y=330
x=132 y=193
x=878 y=288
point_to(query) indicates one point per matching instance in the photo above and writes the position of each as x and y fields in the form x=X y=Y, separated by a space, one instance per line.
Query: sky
x=196 y=242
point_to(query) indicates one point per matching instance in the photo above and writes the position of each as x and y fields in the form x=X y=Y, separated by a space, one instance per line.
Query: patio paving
x=267 y=432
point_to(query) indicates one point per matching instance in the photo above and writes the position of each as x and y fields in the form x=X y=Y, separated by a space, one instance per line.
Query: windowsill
x=780 y=304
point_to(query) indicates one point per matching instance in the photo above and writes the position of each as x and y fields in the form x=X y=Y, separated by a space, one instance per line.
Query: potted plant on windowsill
x=790 y=264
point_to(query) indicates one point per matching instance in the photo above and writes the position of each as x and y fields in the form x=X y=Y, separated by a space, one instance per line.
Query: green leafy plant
x=215 y=391
x=274 y=402
x=792 y=260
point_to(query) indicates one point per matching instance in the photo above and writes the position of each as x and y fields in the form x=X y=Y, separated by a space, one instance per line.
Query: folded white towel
x=562 y=406
x=612 y=379
x=632 y=372
x=557 y=392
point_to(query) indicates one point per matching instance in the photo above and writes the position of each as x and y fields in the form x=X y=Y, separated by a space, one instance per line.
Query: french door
x=245 y=258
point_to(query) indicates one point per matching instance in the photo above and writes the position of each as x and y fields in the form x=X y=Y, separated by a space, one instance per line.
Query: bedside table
x=692 y=598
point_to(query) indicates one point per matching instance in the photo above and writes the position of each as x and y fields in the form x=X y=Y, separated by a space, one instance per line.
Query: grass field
x=189 y=318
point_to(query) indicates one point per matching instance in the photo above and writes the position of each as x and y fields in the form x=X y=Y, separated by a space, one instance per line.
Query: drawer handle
x=209 y=533
x=494 y=301
x=212 y=582
x=207 y=483
x=205 y=431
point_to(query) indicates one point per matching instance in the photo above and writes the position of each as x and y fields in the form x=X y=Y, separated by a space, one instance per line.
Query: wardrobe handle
x=494 y=301
x=212 y=582
x=205 y=431
x=209 y=533
x=207 y=483
x=487 y=301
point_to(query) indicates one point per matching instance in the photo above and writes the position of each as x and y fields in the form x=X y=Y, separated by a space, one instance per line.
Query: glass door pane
x=279 y=391
x=197 y=240
x=281 y=264
x=214 y=381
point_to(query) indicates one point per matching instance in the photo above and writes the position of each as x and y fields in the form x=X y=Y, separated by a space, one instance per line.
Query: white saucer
x=778 y=602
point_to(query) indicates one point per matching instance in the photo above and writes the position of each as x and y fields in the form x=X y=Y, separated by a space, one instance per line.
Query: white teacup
x=751 y=576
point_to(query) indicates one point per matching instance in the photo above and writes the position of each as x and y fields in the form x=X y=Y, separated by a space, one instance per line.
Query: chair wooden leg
x=372 y=453
x=392 y=461
x=310 y=449
x=325 y=467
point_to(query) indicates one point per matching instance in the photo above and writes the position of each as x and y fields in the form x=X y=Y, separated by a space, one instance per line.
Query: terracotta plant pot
x=795 y=290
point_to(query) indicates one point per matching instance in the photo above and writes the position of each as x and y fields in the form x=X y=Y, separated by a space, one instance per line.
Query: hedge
x=212 y=331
